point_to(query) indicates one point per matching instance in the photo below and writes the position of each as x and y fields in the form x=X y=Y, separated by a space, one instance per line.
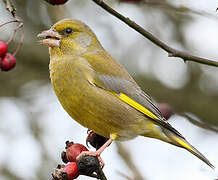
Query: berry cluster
x=7 y=60
x=86 y=165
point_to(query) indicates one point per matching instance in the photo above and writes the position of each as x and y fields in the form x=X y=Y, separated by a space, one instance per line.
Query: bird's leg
x=96 y=153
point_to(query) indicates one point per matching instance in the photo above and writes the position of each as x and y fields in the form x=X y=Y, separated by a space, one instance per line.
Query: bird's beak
x=51 y=38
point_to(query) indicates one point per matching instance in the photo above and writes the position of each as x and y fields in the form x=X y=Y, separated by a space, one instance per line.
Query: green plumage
x=88 y=83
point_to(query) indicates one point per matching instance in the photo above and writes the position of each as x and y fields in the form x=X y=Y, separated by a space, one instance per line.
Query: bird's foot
x=96 y=153
x=91 y=153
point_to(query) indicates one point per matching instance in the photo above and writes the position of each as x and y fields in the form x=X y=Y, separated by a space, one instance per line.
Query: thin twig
x=21 y=38
x=101 y=175
x=125 y=155
x=12 y=36
x=15 y=20
x=124 y=175
x=199 y=123
x=171 y=51
x=180 y=9
x=14 y=33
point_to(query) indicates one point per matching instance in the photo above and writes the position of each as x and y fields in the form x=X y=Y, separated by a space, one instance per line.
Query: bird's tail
x=172 y=136
x=181 y=142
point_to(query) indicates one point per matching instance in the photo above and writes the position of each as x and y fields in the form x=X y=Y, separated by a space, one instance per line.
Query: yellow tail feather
x=184 y=144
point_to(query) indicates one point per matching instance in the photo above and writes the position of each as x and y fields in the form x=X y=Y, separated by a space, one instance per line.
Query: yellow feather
x=113 y=136
x=183 y=144
x=135 y=105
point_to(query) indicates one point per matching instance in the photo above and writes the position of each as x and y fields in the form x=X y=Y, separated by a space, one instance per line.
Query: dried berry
x=88 y=164
x=57 y=175
x=3 y=48
x=8 y=62
x=64 y=157
x=95 y=140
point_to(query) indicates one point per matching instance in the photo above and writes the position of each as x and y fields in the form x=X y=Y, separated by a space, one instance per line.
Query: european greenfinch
x=98 y=92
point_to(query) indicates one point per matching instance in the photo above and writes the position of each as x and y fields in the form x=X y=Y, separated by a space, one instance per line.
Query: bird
x=99 y=93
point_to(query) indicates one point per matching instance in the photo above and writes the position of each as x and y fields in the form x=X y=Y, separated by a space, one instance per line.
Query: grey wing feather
x=119 y=85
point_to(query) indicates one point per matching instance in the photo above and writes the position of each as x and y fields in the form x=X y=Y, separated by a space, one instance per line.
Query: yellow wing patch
x=113 y=136
x=135 y=105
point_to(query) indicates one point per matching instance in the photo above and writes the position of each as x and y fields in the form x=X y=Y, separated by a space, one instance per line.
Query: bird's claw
x=91 y=153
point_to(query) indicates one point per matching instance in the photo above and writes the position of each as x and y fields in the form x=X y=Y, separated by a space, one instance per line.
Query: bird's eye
x=68 y=30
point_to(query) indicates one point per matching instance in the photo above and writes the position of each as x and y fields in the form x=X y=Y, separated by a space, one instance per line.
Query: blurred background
x=34 y=126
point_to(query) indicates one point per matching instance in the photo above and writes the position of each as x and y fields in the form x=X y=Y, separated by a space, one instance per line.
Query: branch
x=125 y=155
x=101 y=175
x=10 y=7
x=171 y=51
x=199 y=123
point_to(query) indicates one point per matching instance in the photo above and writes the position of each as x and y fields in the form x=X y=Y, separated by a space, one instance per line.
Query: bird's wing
x=133 y=95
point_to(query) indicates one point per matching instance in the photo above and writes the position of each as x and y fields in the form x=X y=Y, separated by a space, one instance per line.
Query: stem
x=10 y=7
x=101 y=175
x=21 y=38
x=15 y=20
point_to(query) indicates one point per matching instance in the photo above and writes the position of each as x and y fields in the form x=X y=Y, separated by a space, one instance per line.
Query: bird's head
x=69 y=37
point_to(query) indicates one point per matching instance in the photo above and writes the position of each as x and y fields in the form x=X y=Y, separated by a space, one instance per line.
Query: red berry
x=56 y=2
x=73 y=150
x=8 y=62
x=166 y=110
x=3 y=48
x=70 y=171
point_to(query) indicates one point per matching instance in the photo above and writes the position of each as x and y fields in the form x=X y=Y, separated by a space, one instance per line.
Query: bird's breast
x=91 y=106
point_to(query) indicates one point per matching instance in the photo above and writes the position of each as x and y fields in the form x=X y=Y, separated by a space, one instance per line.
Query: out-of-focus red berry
x=56 y=2
x=70 y=171
x=73 y=150
x=166 y=110
x=3 y=48
x=8 y=62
